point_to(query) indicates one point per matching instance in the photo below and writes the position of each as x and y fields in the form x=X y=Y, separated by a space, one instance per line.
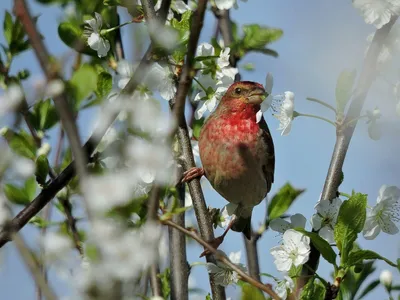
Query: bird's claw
x=192 y=173
x=214 y=243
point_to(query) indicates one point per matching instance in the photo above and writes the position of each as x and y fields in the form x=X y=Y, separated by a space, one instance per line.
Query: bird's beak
x=257 y=96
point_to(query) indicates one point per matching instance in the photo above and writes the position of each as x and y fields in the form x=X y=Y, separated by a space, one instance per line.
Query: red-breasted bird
x=237 y=153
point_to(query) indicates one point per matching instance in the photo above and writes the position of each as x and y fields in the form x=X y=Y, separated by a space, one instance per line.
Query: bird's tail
x=243 y=224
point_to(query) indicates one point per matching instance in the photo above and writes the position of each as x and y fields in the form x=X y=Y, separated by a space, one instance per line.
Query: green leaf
x=398 y=264
x=104 y=84
x=8 y=27
x=208 y=297
x=23 y=74
x=43 y=115
x=184 y=24
x=42 y=169
x=112 y=2
x=257 y=37
x=165 y=280
x=358 y=256
x=30 y=187
x=313 y=290
x=83 y=83
x=321 y=245
x=16 y=194
x=369 y=288
x=197 y=125
x=282 y=200
x=72 y=35
x=250 y=292
x=350 y=222
x=344 y=89
x=22 y=144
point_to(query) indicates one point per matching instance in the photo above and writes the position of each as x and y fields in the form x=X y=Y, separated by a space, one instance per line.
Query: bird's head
x=243 y=94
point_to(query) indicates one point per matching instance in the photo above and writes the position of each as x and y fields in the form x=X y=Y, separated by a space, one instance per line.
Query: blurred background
x=321 y=38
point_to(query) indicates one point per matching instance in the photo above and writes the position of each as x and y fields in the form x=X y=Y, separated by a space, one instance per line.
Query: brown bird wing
x=269 y=166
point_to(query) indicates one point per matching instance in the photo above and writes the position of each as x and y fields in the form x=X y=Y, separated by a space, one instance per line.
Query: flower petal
x=327 y=234
x=279 y=225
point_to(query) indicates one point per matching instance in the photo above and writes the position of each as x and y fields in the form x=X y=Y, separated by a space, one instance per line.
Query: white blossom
x=124 y=253
x=11 y=99
x=325 y=218
x=294 y=250
x=227 y=4
x=54 y=88
x=281 y=225
x=155 y=158
x=163 y=79
x=283 y=287
x=386 y=278
x=179 y=6
x=205 y=49
x=227 y=213
x=23 y=167
x=223 y=59
x=56 y=245
x=95 y=40
x=125 y=72
x=223 y=274
x=104 y=192
x=384 y=215
x=285 y=116
x=377 y=12
x=213 y=83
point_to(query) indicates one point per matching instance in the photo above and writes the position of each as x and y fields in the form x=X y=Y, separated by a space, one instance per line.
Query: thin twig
x=153 y=203
x=345 y=133
x=252 y=256
x=224 y=259
x=33 y=267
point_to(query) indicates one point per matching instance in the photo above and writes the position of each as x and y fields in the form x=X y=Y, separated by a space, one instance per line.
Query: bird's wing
x=269 y=164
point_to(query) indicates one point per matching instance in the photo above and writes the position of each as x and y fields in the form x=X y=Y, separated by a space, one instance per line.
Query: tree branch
x=155 y=281
x=188 y=72
x=60 y=102
x=33 y=267
x=177 y=251
x=178 y=107
x=345 y=133
x=224 y=259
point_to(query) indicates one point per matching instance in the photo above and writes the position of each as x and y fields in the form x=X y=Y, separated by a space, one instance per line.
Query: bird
x=237 y=153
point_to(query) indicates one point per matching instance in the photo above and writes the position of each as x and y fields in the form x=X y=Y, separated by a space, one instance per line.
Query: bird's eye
x=238 y=90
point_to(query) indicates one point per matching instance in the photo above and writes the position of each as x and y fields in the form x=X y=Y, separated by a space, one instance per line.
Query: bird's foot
x=213 y=243
x=218 y=241
x=192 y=173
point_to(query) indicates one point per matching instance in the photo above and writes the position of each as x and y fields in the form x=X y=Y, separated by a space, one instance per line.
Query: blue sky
x=321 y=38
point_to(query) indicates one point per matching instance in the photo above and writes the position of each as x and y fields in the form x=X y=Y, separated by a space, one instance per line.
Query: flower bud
x=4 y=131
x=386 y=278
x=44 y=149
